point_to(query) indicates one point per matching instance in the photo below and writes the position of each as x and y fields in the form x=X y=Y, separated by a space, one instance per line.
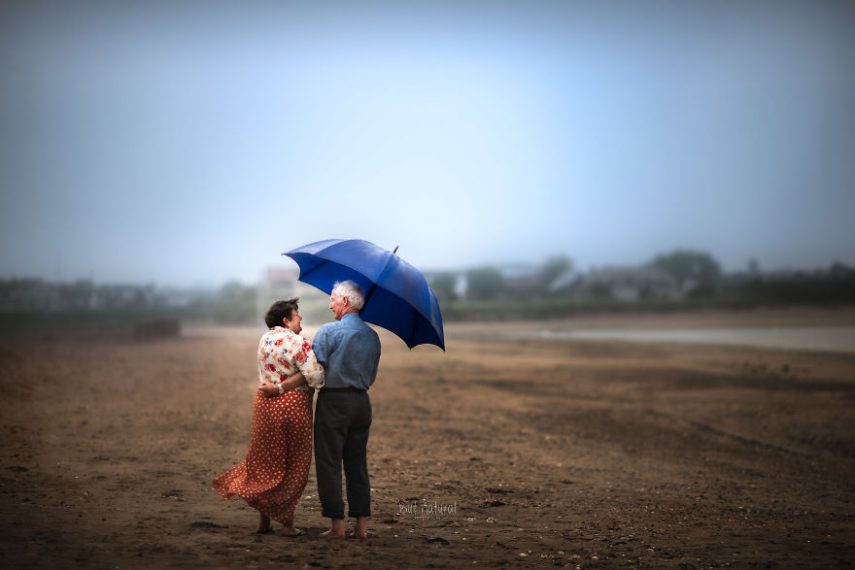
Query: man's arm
x=312 y=370
x=320 y=346
x=306 y=362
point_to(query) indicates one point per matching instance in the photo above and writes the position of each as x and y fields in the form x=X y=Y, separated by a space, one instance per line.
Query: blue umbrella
x=397 y=295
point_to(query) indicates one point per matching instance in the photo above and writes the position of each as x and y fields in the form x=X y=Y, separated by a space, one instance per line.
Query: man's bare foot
x=332 y=534
x=336 y=529
x=291 y=532
x=361 y=529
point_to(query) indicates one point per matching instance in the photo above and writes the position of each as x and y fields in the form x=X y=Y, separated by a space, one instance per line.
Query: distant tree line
x=832 y=286
x=680 y=278
x=674 y=280
x=38 y=295
x=231 y=303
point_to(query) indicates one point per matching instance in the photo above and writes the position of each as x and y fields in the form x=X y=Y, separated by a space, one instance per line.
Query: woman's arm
x=290 y=383
x=294 y=381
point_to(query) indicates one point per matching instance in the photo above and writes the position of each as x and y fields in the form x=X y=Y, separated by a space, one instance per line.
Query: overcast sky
x=190 y=143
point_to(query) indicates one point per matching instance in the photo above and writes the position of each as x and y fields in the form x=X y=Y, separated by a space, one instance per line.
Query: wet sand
x=497 y=453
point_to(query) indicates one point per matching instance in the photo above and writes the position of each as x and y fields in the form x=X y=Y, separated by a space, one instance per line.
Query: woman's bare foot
x=361 y=530
x=263 y=524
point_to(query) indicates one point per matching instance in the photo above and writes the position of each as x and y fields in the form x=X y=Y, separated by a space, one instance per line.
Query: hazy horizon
x=532 y=265
x=187 y=143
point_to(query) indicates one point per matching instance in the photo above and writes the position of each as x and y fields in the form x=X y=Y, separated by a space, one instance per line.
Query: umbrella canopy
x=397 y=295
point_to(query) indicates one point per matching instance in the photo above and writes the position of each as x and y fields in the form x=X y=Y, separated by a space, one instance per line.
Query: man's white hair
x=350 y=291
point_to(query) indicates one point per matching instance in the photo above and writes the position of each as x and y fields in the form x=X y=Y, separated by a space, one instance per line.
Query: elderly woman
x=274 y=473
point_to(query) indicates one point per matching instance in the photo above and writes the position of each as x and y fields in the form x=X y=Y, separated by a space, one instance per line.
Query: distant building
x=38 y=295
x=565 y=281
x=279 y=283
x=27 y=295
x=282 y=283
x=122 y=296
x=178 y=297
x=517 y=280
x=632 y=283
x=520 y=279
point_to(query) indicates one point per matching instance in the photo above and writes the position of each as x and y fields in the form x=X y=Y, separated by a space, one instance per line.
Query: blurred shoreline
x=783 y=329
x=834 y=339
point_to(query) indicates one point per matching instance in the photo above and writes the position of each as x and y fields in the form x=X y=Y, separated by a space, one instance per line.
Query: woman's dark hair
x=280 y=310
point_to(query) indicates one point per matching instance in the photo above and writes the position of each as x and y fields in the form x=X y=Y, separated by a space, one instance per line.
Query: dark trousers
x=342 y=421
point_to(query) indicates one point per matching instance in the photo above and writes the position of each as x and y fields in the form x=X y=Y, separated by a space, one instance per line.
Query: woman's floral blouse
x=281 y=353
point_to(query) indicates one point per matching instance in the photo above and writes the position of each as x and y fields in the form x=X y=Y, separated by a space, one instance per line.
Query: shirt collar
x=354 y=315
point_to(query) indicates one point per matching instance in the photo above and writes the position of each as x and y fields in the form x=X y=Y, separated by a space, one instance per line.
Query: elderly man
x=349 y=351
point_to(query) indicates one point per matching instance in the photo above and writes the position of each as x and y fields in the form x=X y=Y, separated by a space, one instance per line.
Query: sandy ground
x=496 y=453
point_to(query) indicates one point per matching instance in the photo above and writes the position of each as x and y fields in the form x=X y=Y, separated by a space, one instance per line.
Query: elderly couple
x=342 y=362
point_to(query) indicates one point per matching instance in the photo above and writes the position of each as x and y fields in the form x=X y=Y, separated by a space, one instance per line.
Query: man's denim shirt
x=349 y=351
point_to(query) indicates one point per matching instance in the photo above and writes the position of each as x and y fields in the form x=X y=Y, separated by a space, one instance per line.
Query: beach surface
x=504 y=451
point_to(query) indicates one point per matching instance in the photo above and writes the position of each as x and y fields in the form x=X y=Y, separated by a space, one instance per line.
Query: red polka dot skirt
x=274 y=473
